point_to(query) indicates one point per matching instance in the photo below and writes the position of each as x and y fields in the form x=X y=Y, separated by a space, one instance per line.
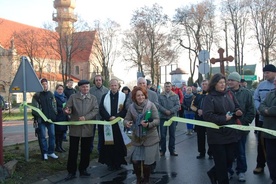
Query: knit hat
x=43 y=80
x=269 y=68
x=234 y=76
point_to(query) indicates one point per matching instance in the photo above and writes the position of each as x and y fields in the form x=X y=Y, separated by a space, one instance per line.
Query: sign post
x=24 y=81
x=203 y=67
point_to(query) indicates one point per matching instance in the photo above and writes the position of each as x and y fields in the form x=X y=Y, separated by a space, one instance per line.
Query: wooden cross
x=221 y=60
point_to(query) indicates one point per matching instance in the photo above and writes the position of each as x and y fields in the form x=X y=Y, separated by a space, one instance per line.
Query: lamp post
x=226 y=47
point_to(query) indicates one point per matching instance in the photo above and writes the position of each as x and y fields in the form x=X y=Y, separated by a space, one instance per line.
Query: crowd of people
x=222 y=101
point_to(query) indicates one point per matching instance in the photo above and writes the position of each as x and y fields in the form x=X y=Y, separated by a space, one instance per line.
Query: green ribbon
x=213 y=125
x=35 y=109
x=91 y=122
x=167 y=123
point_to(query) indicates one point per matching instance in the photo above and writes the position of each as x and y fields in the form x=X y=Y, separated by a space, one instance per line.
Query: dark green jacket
x=270 y=117
x=246 y=102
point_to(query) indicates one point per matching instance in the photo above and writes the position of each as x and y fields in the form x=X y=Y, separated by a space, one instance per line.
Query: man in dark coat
x=196 y=106
x=46 y=102
x=246 y=103
x=112 y=148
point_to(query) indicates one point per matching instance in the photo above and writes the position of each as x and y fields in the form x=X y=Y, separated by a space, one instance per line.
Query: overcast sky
x=37 y=12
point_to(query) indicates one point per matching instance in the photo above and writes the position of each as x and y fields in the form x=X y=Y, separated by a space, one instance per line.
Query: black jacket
x=69 y=91
x=197 y=104
x=61 y=116
x=46 y=102
x=215 y=106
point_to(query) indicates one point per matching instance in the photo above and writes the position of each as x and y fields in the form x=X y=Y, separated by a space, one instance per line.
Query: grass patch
x=15 y=115
x=36 y=169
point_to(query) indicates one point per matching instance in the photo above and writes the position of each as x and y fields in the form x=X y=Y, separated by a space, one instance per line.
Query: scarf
x=108 y=132
x=62 y=96
x=138 y=128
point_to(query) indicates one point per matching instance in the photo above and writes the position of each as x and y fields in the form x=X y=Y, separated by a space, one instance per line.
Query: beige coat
x=88 y=108
x=152 y=136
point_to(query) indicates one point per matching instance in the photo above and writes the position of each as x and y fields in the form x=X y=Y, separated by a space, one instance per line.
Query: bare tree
x=237 y=13
x=69 y=47
x=106 y=45
x=134 y=47
x=195 y=25
x=157 y=43
x=264 y=21
x=30 y=42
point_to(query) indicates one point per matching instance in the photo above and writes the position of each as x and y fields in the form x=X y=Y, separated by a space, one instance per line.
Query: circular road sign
x=203 y=55
x=203 y=68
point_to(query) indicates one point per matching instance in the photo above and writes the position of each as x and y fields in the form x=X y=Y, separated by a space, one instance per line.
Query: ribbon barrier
x=35 y=109
x=91 y=122
x=167 y=123
x=213 y=125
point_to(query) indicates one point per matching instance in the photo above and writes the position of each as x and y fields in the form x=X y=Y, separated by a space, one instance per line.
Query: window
x=77 y=70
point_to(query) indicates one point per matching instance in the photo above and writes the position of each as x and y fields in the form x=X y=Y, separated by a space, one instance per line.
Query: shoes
x=230 y=176
x=200 y=156
x=174 y=154
x=189 y=132
x=242 y=177
x=70 y=176
x=129 y=132
x=84 y=174
x=62 y=149
x=117 y=168
x=45 y=157
x=110 y=168
x=162 y=154
x=211 y=157
x=58 y=150
x=53 y=155
x=212 y=177
x=258 y=170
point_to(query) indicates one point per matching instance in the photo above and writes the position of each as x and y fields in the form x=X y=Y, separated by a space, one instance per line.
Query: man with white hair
x=152 y=96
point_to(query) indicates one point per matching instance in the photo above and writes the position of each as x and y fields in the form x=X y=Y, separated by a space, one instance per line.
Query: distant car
x=7 y=105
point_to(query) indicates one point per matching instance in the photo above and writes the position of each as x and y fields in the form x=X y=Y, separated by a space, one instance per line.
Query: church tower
x=64 y=15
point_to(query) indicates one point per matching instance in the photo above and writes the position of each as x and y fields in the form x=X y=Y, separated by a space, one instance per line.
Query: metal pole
x=226 y=48
x=25 y=110
x=1 y=139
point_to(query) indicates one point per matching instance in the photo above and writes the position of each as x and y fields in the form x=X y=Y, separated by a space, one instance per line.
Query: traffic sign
x=203 y=68
x=25 y=80
x=203 y=55
x=26 y=71
x=249 y=77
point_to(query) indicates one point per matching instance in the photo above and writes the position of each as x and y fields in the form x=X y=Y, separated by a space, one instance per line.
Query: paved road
x=184 y=169
x=13 y=132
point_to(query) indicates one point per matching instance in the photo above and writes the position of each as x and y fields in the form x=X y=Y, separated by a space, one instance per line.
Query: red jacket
x=178 y=91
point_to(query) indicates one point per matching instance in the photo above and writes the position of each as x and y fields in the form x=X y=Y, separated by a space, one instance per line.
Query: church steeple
x=64 y=15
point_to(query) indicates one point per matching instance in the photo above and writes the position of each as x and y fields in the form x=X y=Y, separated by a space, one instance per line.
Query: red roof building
x=44 y=50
